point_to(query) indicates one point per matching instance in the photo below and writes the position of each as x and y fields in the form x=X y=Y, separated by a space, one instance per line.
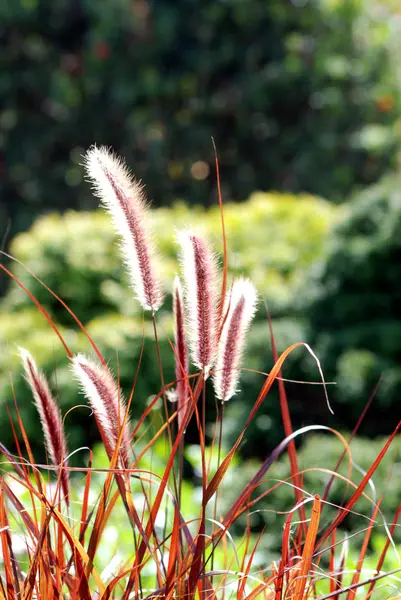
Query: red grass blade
x=364 y=547
x=384 y=551
x=40 y=307
x=307 y=553
x=223 y=233
x=285 y=413
x=173 y=551
x=8 y=559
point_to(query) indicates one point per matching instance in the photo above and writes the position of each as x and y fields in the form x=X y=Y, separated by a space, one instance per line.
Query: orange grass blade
x=36 y=560
x=75 y=544
x=285 y=413
x=307 y=553
x=285 y=546
x=364 y=547
x=157 y=502
x=173 y=551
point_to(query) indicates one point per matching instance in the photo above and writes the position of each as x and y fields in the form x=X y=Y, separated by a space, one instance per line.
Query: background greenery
x=300 y=96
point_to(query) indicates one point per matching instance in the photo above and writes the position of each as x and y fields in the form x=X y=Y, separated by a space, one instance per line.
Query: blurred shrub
x=299 y=96
x=272 y=238
x=353 y=302
x=317 y=459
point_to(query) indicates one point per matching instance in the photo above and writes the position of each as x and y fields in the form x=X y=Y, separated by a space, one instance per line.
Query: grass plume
x=200 y=278
x=50 y=417
x=107 y=403
x=124 y=198
x=240 y=307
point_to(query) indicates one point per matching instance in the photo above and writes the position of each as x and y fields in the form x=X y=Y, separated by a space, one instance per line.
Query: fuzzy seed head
x=107 y=403
x=239 y=310
x=49 y=414
x=200 y=278
x=124 y=198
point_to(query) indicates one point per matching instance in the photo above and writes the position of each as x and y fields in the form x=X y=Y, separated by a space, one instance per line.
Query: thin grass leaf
x=50 y=417
x=40 y=307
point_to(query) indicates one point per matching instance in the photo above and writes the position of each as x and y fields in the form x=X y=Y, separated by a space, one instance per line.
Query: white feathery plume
x=201 y=298
x=50 y=417
x=124 y=198
x=239 y=310
x=107 y=403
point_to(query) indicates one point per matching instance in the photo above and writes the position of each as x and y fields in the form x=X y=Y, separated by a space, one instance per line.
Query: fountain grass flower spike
x=124 y=198
x=50 y=417
x=239 y=310
x=201 y=298
x=107 y=403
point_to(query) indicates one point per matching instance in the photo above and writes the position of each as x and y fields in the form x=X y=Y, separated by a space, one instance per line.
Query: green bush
x=77 y=256
x=353 y=303
x=317 y=458
x=299 y=96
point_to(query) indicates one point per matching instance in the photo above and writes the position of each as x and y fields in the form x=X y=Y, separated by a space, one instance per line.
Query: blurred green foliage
x=78 y=257
x=353 y=300
x=317 y=460
x=299 y=96
x=318 y=456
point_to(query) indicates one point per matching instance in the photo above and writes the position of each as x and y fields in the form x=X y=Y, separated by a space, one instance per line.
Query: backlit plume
x=239 y=310
x=107 y=403
x=50 y=417
x=200 y=278
x=124 y=198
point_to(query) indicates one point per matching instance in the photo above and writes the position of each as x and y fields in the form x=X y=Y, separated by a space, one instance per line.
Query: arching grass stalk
x=166 y=412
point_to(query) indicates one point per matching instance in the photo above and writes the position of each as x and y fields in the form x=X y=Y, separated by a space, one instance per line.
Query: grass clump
x=123 y=527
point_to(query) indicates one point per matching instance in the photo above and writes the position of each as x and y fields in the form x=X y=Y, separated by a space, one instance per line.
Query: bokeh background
x=303 y=100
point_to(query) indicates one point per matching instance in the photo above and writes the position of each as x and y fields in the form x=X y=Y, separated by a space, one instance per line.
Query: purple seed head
x=200 y=278
x=107 y=403
x=124 y=198
x=50 y=417
x=239 y=310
